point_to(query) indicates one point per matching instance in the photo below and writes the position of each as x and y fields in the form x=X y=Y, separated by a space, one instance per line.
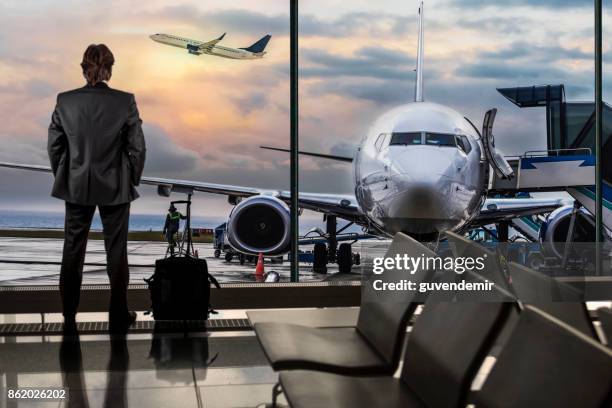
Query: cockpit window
x=405 y=138
x=440 y=139
x=464 y=144
x=380 y=141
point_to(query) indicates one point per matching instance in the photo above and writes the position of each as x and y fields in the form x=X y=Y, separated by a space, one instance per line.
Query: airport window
x=440 y=139
x=406 y=138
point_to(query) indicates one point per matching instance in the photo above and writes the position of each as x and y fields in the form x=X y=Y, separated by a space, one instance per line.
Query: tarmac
x=36 y=261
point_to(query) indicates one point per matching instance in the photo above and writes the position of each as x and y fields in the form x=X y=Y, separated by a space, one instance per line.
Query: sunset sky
x=204 y=117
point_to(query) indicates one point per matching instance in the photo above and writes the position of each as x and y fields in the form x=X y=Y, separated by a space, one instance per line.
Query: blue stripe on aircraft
x=589 y=191
x=607 y=190
x=587 y=160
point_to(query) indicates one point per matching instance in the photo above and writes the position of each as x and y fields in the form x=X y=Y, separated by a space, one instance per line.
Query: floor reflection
x=73 y=378
x=171 y=353
x=151 y=370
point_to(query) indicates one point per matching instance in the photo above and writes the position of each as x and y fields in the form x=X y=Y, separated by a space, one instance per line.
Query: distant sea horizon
x=17 y=219
x=55 y=220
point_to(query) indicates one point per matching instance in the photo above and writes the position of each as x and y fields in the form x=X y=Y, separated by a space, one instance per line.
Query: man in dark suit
x=97 y=153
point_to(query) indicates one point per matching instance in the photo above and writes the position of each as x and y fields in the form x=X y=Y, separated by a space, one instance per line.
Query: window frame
x=380 y=141
x=463 y=144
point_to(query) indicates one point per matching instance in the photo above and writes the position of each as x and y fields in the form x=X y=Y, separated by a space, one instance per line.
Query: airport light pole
x=598 y=139
x=293 y=147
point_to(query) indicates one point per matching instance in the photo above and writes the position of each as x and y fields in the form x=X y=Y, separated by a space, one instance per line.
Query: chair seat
x=313 y=389
x=335 y=350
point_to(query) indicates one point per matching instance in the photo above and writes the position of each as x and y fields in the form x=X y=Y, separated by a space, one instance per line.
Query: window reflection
x=406 y=138
x=440 y=139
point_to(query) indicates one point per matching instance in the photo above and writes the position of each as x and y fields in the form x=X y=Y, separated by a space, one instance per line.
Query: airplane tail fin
x=418 y=86
x=260 y=45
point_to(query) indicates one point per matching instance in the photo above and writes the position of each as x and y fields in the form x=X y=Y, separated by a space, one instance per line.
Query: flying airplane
x=195 y=47
x=422 y=168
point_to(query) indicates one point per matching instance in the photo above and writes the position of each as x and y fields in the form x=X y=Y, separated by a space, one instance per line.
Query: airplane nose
x=423 y=197
x=422 y=181
x=422 y=164
x=423 y=207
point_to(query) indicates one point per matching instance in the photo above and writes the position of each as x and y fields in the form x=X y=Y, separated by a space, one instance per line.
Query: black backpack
x=180 y=289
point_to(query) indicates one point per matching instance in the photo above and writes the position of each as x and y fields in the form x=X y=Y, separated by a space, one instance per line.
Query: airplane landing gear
x=319 y=264
x=345 y=258
x=330 y=252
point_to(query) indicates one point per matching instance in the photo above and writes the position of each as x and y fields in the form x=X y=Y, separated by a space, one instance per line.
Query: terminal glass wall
x=204 y=117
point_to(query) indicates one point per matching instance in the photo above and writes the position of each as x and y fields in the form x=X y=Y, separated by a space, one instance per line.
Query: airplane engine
x=555 y=229
x=193 y=49
x=260 y=224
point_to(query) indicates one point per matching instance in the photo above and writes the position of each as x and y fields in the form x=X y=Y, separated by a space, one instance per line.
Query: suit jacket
x=96 y=146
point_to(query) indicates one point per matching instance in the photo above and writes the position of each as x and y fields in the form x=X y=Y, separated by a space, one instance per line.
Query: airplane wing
x=497 y=209
x=343 y=205
x=208 y=46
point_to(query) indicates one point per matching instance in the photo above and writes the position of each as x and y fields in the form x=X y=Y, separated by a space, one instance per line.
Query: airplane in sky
x=422 y=169
x=255 y=51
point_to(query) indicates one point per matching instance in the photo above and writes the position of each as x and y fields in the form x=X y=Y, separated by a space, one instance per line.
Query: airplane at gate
x=255 y=51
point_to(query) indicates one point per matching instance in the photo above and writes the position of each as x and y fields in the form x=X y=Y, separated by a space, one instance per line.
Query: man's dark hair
x=97 y=63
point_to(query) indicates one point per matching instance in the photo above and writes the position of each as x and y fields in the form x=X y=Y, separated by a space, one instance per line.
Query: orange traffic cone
x=259 y=269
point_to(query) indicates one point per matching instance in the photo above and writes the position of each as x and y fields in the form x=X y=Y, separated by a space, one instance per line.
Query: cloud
x=31 y=88
x=208 y=131
x=247 y=22
x=385 y=56
x=235 y=20
x=530 y=3
x=545 y=53
x=343 y=149
x=252 y=102
x=381 y=93
x=507 y=25
x=357 y=22
x=164 y=155
x=40 y=88
x=504 y=70
x=23 y=150
x=383 y=63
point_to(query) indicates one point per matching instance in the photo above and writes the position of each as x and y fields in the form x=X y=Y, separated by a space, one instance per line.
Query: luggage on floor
x=180 y=289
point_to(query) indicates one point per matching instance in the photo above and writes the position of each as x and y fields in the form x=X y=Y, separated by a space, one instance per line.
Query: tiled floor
x=146 y=370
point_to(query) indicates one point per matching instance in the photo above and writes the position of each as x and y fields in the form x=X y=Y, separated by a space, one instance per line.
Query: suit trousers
x=115 y=220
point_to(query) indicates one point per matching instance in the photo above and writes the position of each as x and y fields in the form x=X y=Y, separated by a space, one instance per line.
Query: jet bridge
x=548 y=170
x=569 y=161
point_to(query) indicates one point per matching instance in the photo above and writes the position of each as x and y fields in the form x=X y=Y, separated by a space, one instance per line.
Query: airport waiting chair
x=464 y=247
x=556 y=298
x=445 y=349
x=373 y=347
x=529 y=286
x=547 y=363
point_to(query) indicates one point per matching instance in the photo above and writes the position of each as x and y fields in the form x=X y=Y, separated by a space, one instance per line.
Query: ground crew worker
x=172 y=225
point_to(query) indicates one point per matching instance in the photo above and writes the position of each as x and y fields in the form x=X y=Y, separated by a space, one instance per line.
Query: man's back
x=96 y=146
x=97 y=153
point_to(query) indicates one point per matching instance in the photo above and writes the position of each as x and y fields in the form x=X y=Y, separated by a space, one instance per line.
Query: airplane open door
x=495 y=159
